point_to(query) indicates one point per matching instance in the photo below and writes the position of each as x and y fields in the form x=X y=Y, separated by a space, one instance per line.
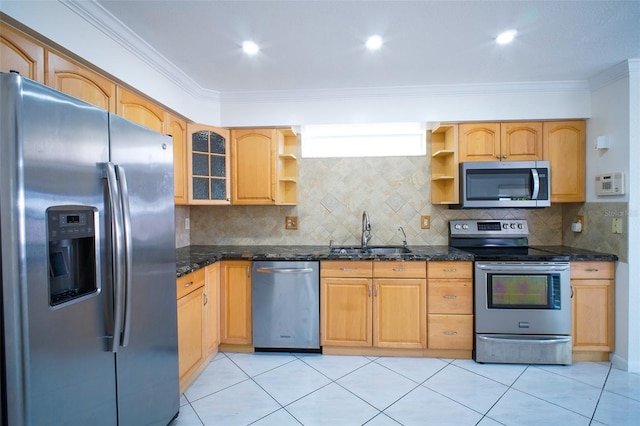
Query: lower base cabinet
x=235 y=302
x=592 y=310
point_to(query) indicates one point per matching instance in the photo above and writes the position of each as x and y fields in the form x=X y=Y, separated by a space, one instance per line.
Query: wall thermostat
x=610 y=184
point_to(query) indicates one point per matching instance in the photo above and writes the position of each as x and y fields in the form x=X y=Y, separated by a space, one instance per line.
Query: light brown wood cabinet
x=592 y=307
x=212 y=309
x=21 y=53
x=373 y=304
x=140 y=110
x=208 y=165
x=177 y=128
x=264 y=167
x=444 y=164
x=508 y=141
x=564 y=147
x=450 y=305
x=78 y=81
x=235 y=302
x=191 y=325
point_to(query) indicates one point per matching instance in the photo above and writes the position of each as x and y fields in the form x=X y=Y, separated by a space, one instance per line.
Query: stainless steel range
x=522 y=294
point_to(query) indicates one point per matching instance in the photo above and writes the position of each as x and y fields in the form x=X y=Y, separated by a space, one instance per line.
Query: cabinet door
x=208 y=164
x=345 y=312
x=564 y=148
x=253 y=154
x=19 y=52
x=140 y=110
x=592 y=307
x=478 y=142
x=80 y=82
x=521 y=141
x=399 y=313
x=190 y=329
x=177 y=128
x=235 y=302
x=212 y=308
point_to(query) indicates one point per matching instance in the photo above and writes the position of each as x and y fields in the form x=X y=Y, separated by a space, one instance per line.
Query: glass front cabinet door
x=208 y=165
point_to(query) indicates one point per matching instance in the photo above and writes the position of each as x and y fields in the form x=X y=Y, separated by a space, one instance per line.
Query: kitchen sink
x=369 y=250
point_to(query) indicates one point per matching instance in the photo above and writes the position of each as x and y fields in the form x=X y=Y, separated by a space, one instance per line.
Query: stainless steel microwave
x=504 y=184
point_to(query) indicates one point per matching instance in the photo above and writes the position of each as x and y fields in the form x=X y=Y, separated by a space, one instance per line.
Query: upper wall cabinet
x=140 y=110
x=264 y=166
x=564 y=148
x=80 y=82
x=208 y=164
x=509 y=141
x=177 y=128
x=20 y=53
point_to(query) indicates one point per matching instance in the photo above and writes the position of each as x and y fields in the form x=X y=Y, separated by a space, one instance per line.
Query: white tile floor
x=292 y=389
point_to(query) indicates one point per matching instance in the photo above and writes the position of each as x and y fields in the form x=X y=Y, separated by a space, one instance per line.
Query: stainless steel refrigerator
x=88 y=264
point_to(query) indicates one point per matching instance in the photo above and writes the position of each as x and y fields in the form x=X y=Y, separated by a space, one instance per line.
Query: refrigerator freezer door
x=147 y=367
x=67 y=373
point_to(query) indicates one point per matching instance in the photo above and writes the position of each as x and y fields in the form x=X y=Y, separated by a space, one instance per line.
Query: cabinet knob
x=450 y=333
x=449 y=296
x=591 y=270
x=346 y=269
x=498 y=156
x=399 y=269
x=449 y=270
x=189 y=284
x=504 y=156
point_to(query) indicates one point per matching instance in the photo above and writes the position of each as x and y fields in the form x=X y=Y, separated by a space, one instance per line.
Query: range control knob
x=520 y=226
x=457 y=226
x=465 y=226
x=505 y=226
x=513 y=226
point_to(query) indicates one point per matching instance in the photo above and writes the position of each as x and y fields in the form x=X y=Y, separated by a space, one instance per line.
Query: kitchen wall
x=333 y=193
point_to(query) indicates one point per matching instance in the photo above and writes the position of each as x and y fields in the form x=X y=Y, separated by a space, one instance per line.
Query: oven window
x=521 y=291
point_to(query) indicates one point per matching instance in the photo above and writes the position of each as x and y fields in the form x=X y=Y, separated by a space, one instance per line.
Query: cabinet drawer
x=589 y=270
x=399 y=269
x=450 y=331
x=190 y=282
x=450 y=297
x=458 y=269
x=345 y=269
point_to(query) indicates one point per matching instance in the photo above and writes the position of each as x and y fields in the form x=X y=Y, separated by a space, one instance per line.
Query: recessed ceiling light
x=506 y=37
x=374 y=42
x=250 y=48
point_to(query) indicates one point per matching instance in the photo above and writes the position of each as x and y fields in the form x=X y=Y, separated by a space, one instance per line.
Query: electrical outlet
x=187 y=223
x=291 y=222
x=580 y=219
x=616 y=225
x=425 y=222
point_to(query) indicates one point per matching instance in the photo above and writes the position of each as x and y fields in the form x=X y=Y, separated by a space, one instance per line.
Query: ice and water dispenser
x=73 y=238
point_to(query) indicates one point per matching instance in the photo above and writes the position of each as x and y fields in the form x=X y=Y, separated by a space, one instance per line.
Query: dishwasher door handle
x=285 y=270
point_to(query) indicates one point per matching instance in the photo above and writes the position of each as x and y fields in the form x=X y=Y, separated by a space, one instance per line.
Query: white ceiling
x=318 y=44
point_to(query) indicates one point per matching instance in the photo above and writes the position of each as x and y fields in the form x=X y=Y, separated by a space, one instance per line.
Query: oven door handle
x=525 y=268
x=538 y=339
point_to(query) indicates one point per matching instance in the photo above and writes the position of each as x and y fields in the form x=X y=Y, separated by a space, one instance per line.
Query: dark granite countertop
x=192 y=258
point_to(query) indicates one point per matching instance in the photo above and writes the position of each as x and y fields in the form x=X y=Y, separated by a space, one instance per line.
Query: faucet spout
x=366 y=229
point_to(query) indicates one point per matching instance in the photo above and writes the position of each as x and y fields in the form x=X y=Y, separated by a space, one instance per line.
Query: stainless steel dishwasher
x=286 y=305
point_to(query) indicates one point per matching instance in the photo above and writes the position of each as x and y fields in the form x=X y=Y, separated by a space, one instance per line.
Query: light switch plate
x=291 y=222
x=425 y=222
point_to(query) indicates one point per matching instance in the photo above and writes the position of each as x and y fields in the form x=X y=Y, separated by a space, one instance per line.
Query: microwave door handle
x=536 y=184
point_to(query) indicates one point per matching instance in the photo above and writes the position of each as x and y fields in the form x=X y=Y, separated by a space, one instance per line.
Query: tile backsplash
x=333 y=193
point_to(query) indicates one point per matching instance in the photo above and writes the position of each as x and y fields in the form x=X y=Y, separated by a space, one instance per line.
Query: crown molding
x=481 y=89
x=104 y=21
x=614 y=73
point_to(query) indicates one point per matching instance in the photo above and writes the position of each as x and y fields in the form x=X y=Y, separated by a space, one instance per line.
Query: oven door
x=526 y=298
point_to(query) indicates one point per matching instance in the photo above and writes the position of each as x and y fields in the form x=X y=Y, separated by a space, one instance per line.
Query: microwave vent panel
x=610 y=184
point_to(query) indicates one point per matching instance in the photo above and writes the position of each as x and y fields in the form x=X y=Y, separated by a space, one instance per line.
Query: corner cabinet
x=208 y=164
x=444 y=164
x=592 y=309
x=564 y=146
x=264 y=167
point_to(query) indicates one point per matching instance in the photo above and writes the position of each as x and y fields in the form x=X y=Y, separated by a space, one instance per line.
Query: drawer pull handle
x=449 y=296
x=592 y=270
x=450 y=333
x=449 y=270
x=346 y=269
x=189 y=284
x=399 y=269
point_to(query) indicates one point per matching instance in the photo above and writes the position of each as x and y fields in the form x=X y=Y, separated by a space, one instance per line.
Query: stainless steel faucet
x=366 y=229
x=404 y=241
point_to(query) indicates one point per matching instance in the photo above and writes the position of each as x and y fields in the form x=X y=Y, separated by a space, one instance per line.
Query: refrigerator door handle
x=115 y=208
x=128 y=255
